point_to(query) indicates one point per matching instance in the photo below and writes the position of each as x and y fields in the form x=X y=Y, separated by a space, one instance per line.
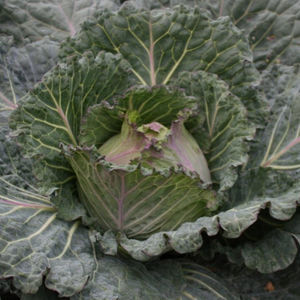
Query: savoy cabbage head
x=145 y=141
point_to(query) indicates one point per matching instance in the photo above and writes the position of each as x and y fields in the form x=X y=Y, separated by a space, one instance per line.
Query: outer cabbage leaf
x=30 y=35
x=30 y=226
x=167 y=42
x=271 y=25
x=282 y=151
x=166 y=279
x=271 y=178
x=34 y=20
x=272 y=174
x=267 y=246
x=21 y=68
x=34 y=241
x=276 y=250
x=70 y=258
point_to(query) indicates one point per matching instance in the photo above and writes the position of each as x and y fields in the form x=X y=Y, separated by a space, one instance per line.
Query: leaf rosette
x=147 y=119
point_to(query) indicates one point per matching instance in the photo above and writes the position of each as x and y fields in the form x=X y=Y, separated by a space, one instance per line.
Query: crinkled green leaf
x=271 y=25
x=34 y=243
x=52 y=112
x=166 y=42
x=224 y=133
x=134 y=201
x=272 y=174
x=275 y=250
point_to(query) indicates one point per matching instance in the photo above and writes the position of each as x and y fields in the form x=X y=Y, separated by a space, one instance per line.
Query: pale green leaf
x=134 y=200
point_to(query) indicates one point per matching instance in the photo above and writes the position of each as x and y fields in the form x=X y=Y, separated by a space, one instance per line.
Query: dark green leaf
x=166 y=42
x=34 y=243
x=56 y=19
x=271 y=25
x=170 y=279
